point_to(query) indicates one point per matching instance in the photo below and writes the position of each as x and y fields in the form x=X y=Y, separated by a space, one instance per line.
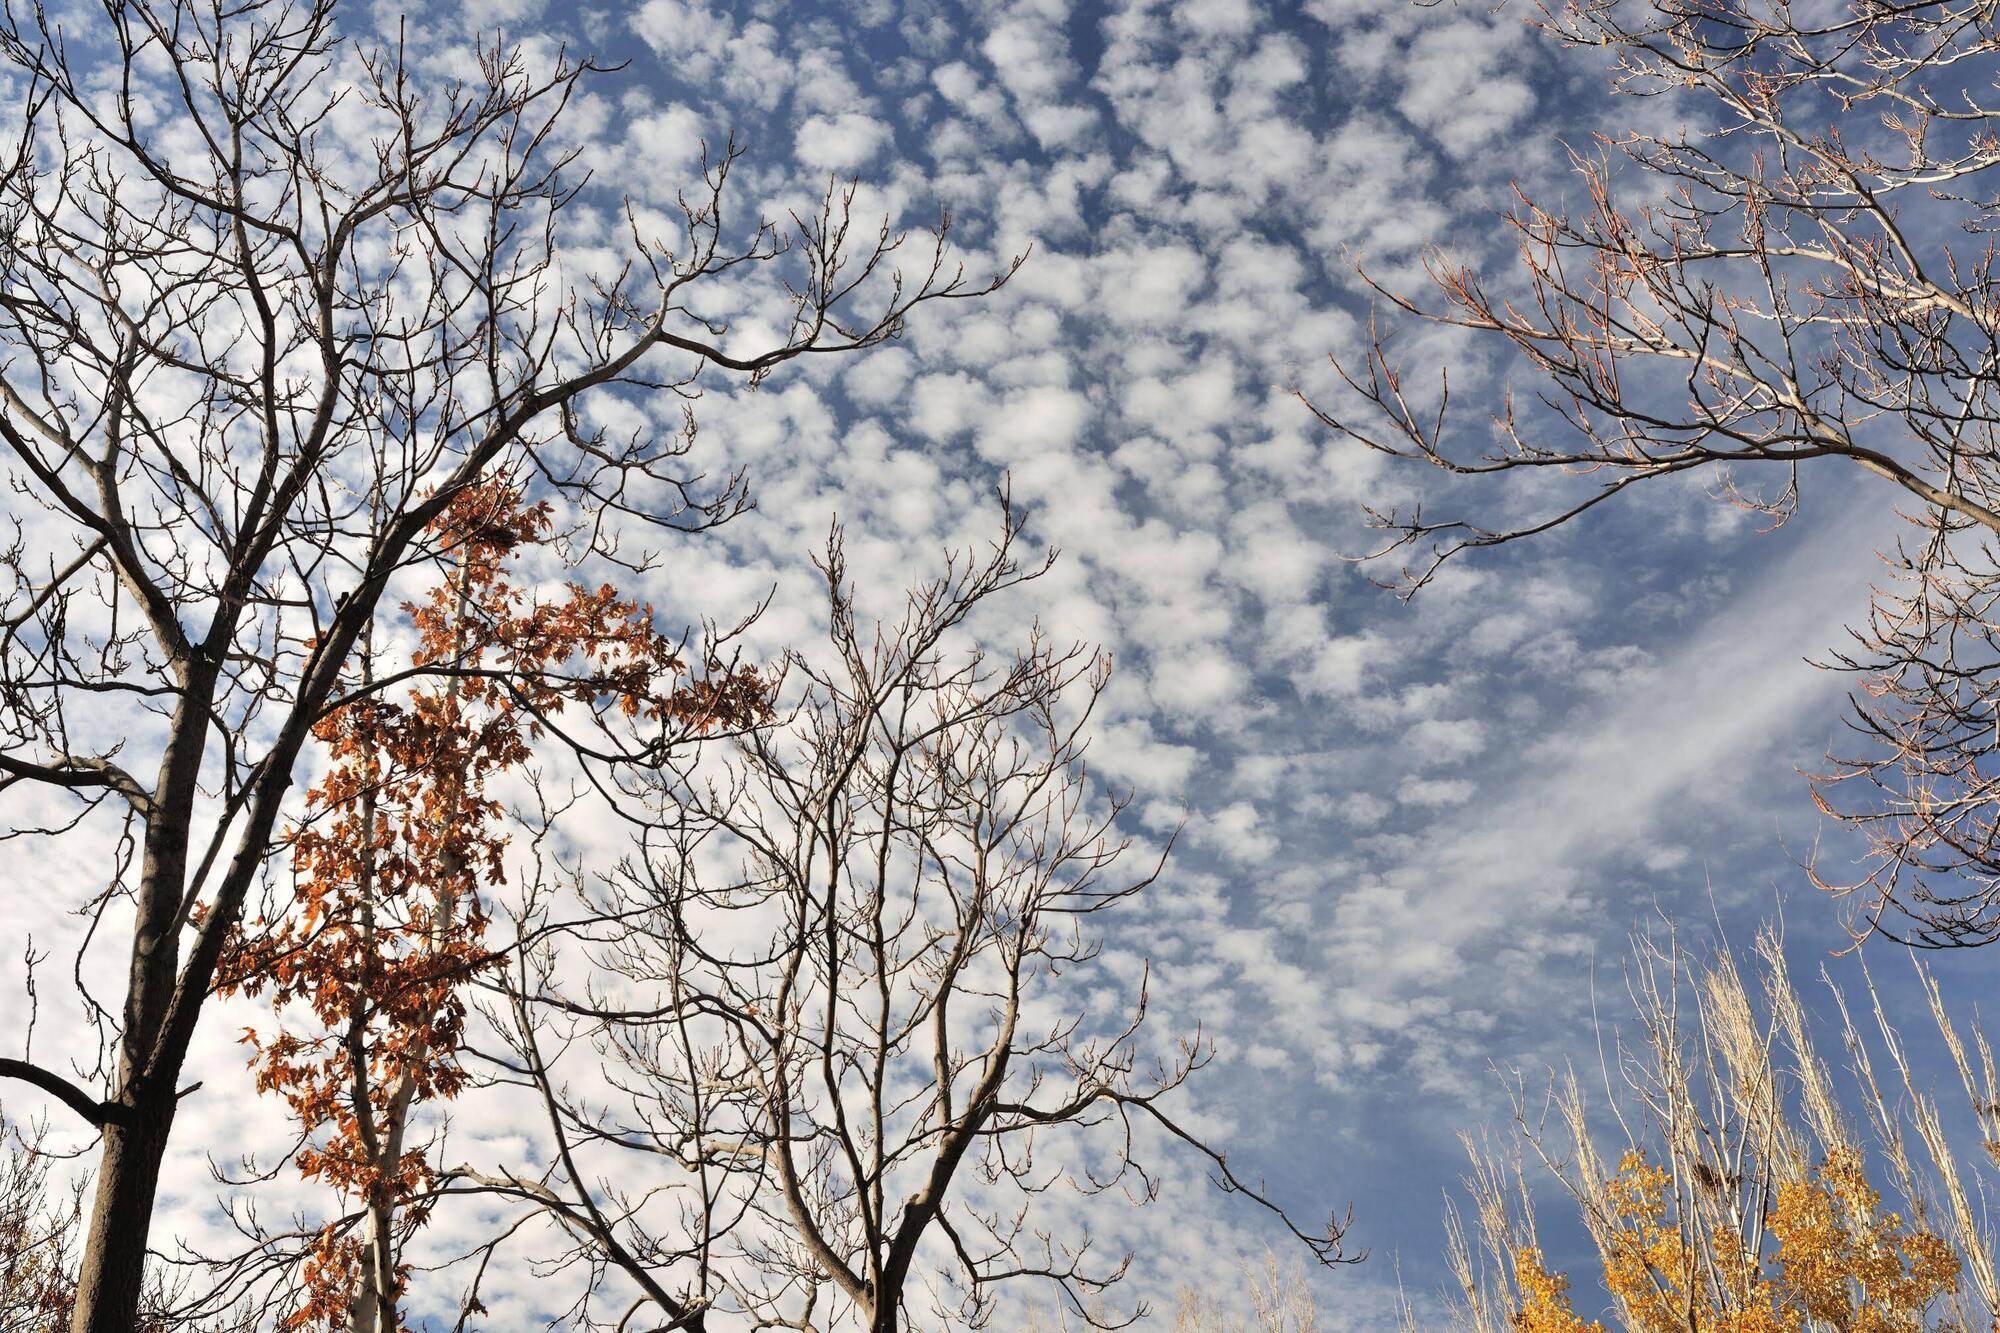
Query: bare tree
x=818 y=1057
x=270 y=302
x=1809 y=276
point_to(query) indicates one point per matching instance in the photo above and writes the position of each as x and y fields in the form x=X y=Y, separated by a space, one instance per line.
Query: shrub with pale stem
x=1273 y=1296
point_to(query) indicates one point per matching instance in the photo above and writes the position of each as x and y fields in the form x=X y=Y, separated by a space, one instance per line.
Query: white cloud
x=1237 y=833
x=1463 y=86
x=1435 y=793
x=840 y=143
x=687 y=32
x=1148 y=286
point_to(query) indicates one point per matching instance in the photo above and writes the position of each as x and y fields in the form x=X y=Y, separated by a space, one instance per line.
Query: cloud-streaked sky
x=1416 y=832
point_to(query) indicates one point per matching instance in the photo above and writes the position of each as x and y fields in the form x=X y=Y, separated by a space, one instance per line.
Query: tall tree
x=1808 y=275
x=273 y=301
x=837 y=990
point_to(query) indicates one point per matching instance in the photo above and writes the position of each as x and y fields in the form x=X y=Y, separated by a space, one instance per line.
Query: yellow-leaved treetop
x=1833 y=1258
x=1740 y=1198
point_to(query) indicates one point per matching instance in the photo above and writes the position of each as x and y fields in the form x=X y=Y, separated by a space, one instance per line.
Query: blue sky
x=1418 y=834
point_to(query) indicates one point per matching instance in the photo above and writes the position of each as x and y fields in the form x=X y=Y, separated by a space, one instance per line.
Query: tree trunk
x=112 y=1275
x=112 y=1272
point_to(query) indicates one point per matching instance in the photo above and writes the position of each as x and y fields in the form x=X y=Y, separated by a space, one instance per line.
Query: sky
x=1418 y=833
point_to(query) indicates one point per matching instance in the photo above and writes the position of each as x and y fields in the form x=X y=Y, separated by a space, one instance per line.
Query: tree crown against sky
x=1792 y=268
x=830 y=988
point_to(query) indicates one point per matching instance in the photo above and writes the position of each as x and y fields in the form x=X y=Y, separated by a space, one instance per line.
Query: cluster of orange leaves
x=1837 y=1260
x=403 y=831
